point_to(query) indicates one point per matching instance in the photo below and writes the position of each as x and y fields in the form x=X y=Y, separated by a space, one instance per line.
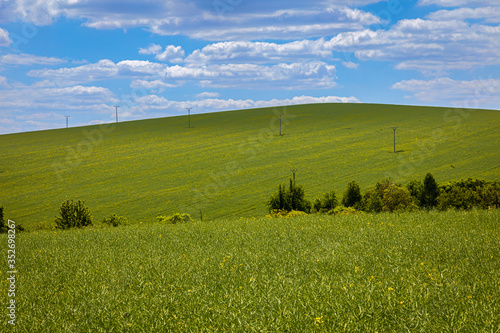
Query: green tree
x=352 y=195
x=430 y=192
x=372 y=201
x=397 y=198
x=326 y=203
x=73 y=215
x=289 y=199
x=416 y=188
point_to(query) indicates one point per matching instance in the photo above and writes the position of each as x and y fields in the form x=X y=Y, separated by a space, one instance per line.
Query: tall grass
x=411 y=272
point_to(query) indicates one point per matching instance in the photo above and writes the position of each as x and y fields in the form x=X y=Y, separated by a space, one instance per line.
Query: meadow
x=398 y=272
x=229 y=163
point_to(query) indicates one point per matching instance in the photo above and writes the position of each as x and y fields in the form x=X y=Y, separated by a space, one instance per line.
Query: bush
x=326 y=203
x=352 y=195
x=490 y=195
x=289 y=199
x=397 y=198
x=372 y=201
x=458 y=198
x=115 y=220
x=283 y=213
x=3 y=226
x=175 y=218
x=416 y=189
x=430 y=192
x=73 y=215
x=342 y=210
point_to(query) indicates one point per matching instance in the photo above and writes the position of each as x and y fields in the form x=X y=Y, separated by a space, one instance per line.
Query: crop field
x=408 y=272
x=229 y=163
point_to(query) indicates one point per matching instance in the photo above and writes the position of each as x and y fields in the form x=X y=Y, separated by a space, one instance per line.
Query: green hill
x=229 y=163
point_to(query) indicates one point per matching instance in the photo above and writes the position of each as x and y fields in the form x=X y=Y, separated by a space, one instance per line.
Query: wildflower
x=390 y=289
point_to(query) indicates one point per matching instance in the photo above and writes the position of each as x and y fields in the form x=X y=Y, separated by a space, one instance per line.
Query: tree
x=430 y=192
x=397 y=198
x=73 y=215
x=289 y=199
x=416 y=189
x=372 y=201
x=326 y=203
x=352 y=195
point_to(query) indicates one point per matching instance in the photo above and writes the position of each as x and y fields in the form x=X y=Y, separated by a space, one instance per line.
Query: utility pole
x=116 y=107
x=293 y=172
x=280 y=124
x=66 y=121
x=394 y=129
x=189 y=116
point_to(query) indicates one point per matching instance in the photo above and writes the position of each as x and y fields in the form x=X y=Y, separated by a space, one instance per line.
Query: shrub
x=289 y=199
x=115 y=220
x=283 y=213
x=372 y=201
x=458 y=198
x=73 y=215
x=342 y=210
x=490 y=195
x=175 y=218
x=416 y=189
x=3 y=226
x=326 y=203
x=397 y=198
x=430 y=192
x=352 y=195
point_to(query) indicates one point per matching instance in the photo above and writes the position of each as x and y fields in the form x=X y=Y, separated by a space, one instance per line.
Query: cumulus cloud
x=4 y=38
x=151 y=49
x=488 y=14
x=152 y=103
x=458 y=3
x=425 y=45
x=474 y=93
x=313 y=74
x=3 y=82
x=172 y=54
x=203 y=19
x=208 y=95
x=29 y=60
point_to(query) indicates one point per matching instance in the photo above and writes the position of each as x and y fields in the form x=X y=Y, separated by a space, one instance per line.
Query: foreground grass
x=412 y=272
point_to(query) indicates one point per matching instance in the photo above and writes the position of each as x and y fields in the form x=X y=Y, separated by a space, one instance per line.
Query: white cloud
x=172 y=54
x=474 y=93
x=4 y=38
x=22 y=98
x=458 y=3
x=488 y=14
x=201 y=19
x=29 y=60
x=315 y=74
x=151 y=49
x=3 y=82
x=208 y=95
x=260 y=52
x=349 y=64
x=159 y=85
x=425 y=45
x=153 y=103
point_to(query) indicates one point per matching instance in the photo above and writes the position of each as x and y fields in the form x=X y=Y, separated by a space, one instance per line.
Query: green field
x=229 y=163
x=408 y=272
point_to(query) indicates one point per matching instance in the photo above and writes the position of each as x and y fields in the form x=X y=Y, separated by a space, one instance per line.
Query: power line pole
x=66 y=121
x=293 y=172
x=116 y=107
x=189 y=116
x=394 y=129
x=280 y=124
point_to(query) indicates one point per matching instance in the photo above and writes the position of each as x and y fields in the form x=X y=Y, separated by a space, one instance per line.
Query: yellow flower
x=390 y=289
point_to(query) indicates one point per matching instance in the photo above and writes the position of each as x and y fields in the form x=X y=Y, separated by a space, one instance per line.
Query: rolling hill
x=229 y=163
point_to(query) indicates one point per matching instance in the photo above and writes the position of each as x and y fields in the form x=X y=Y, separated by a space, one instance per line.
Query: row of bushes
x=387 y=195
x=77 y=215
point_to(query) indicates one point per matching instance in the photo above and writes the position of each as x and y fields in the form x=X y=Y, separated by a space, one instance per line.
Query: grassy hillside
x=229 y=163
x=411 y=272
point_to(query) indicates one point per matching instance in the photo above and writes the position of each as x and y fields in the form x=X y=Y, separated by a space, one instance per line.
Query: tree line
x=387 y=195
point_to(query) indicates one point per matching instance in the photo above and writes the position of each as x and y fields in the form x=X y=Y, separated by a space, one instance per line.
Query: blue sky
x=154 y=58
